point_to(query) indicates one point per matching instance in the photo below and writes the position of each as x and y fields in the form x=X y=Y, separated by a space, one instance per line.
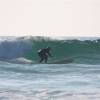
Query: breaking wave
x=82 y=51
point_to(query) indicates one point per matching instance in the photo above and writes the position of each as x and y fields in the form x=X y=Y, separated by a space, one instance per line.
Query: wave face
x=82 y=51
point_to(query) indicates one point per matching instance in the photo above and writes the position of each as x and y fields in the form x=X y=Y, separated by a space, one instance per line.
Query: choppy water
x=49 y=82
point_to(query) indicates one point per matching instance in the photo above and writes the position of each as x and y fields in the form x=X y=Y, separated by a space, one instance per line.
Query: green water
x=81 y=51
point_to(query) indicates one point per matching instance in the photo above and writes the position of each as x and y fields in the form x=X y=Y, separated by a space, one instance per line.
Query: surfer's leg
x=41 y=60
x=46 y=59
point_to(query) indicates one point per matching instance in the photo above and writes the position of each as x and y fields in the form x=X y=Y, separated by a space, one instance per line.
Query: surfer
x=44 y=54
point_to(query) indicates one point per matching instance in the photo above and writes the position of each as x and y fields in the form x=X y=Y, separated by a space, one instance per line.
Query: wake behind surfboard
x=27 y=61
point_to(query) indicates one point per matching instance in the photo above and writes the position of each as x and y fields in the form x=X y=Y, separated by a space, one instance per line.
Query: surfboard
x=63 y=61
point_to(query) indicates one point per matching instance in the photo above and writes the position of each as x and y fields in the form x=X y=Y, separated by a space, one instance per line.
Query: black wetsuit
x=43 y=54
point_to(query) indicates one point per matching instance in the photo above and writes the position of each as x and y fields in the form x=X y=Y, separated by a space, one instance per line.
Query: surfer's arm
x=49 y=54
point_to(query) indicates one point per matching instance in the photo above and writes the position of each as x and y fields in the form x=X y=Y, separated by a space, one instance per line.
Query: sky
x=50 y=17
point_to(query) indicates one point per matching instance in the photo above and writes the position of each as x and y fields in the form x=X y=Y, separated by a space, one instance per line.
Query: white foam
x=20 y=61
x=45 y=95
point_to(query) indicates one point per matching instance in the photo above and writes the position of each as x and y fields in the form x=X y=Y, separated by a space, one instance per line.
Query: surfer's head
x=48 y=48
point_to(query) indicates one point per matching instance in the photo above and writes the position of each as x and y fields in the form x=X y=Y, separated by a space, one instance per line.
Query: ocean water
x=21 y=80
